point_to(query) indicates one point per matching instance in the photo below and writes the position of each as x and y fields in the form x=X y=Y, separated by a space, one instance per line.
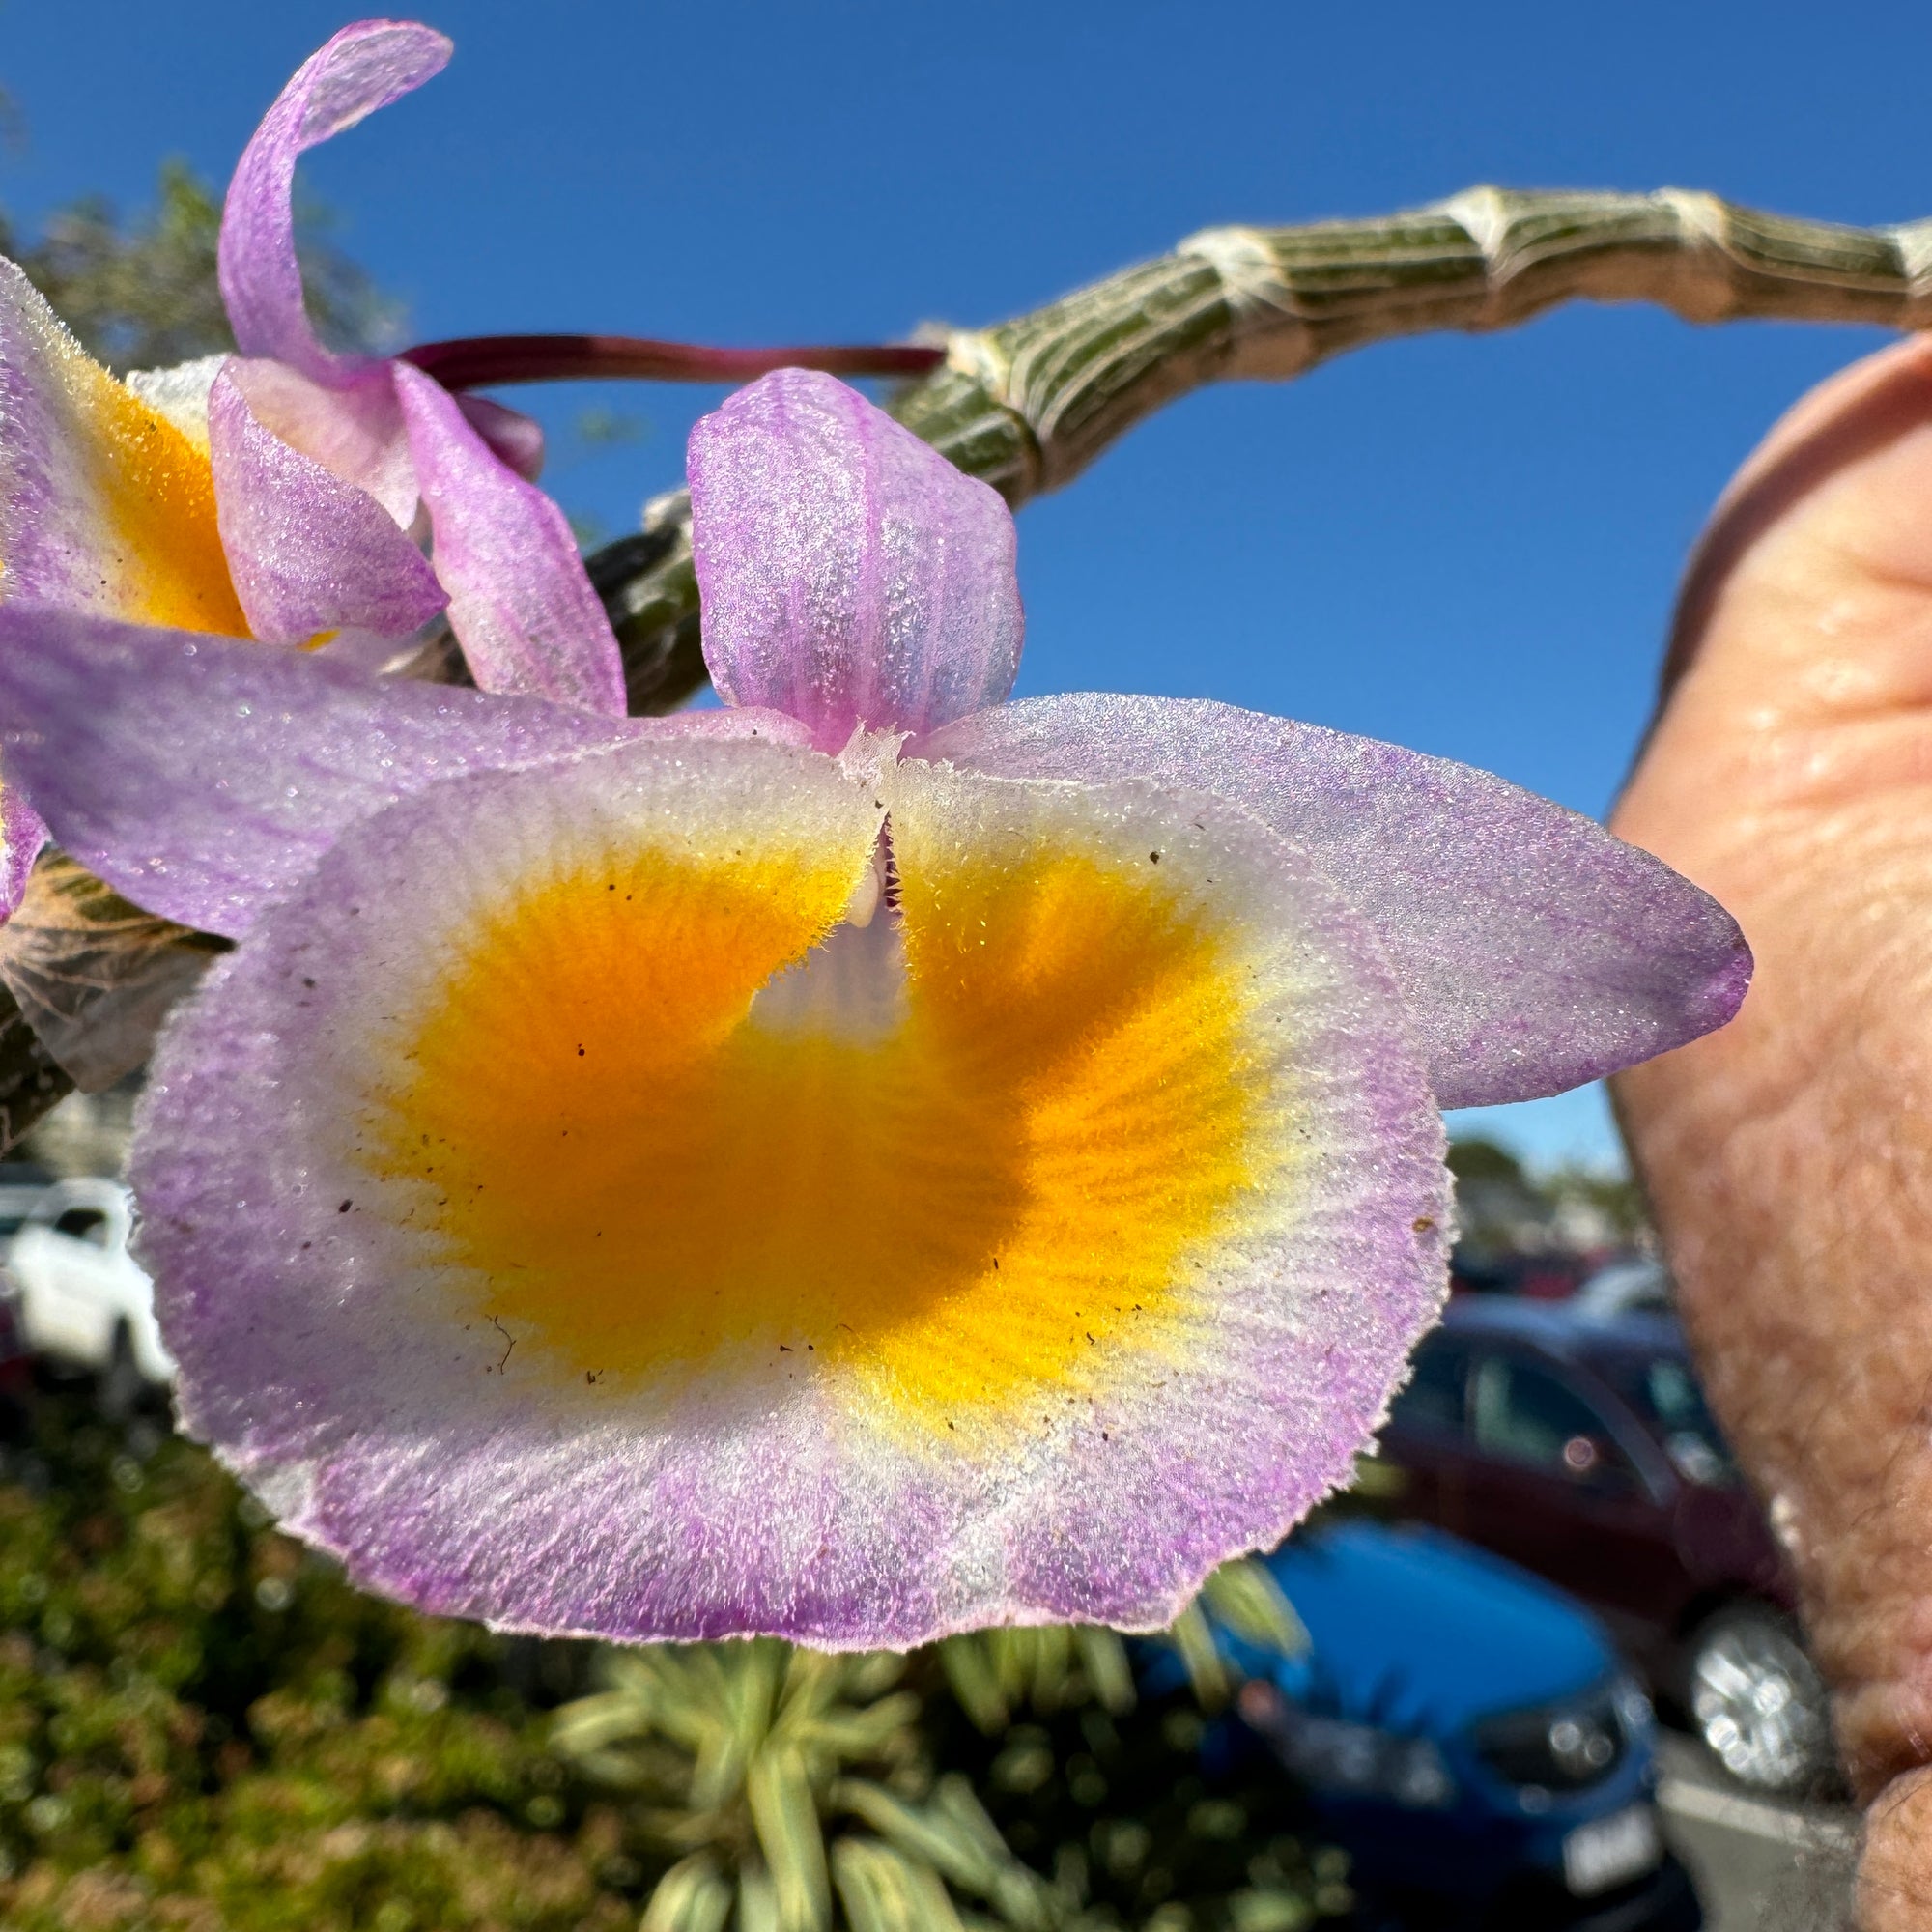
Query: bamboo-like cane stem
x=1029 y=403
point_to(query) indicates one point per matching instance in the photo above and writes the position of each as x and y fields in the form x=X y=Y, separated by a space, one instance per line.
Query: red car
x=1580 y=1447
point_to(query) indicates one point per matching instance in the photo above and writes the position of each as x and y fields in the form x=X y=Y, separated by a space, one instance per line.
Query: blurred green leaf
x=785 y=1816
x=693 y=1896
x=1246 y=1597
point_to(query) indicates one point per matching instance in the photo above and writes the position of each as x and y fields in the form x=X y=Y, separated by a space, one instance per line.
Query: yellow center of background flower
x=968 y=1211
x=146 y=495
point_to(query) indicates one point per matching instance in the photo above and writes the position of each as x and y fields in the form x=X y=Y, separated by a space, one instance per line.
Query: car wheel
x=1758 y=1701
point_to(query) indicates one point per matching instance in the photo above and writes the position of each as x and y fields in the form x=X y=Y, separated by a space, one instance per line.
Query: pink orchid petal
x=515 y=438
x=520 y=601
x=203 y=777
x=364 y=68
x=355 y=431
x=308 y=552
x=1535 y=951
x=850 y=575
x=941 y=1409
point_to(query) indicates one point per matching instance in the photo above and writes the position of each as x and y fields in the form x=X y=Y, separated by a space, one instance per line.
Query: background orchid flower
x=324 y=462
x=108 y=504
x=856 y=1165
x=180 y=498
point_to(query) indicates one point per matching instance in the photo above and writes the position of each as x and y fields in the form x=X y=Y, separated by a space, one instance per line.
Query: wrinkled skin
x=1790 y=1155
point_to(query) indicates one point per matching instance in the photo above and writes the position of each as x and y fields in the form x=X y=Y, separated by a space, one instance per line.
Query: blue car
x=1466 y=1732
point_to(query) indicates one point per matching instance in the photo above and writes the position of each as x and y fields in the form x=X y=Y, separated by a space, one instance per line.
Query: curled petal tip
x=364 y=67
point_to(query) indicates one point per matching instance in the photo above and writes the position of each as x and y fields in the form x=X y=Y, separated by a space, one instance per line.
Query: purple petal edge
x=1536 y=951
x=364 y=67
x=850 y=575
x=22 y=834
x=203 y=777
x=519 y=599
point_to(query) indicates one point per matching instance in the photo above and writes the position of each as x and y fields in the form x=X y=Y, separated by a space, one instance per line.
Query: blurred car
x=1580 y=1446
x=1465 y=1732
x=84 y=1300
x=22 y=1185
x=1625 y=1287
x=16 y=1356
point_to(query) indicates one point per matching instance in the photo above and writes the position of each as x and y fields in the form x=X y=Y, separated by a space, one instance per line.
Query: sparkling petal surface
x=364 y=67
x=308 y=552
x=21 y=836
x=180 y=393
x=850 y=575
x=522 y=1243
x=520 y=602
x=201 y=777
x=1535 y=951
x=105 y=504
x=354 y=429
x=514 y=439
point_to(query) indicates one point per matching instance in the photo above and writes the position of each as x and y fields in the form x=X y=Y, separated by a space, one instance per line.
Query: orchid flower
x=324 y=462
x=869 y=1161
x=273 y=495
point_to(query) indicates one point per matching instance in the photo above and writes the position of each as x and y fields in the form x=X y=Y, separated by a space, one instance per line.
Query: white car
x=1626 y=1288
x=83 y=1298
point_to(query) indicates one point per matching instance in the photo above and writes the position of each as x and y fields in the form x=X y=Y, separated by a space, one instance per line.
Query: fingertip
x=1894 y=1890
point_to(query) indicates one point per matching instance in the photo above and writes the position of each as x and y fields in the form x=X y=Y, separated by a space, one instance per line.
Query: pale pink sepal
x=307 y=551
x=354 y=429
x=849 y=574
x=520 y=601
x=516 y=438
x=203 y=777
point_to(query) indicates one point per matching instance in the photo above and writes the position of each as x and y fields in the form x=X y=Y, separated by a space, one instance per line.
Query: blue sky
x=1469 y=544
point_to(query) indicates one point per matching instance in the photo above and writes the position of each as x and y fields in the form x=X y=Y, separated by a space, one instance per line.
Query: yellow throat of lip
x=969 y=1151
x=142 y=496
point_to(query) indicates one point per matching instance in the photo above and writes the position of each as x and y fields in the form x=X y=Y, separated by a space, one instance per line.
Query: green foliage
x=1472 y=1159
x=1502 y=1207
x=141 y=294
x=203 y=1726
x=1009 y=1778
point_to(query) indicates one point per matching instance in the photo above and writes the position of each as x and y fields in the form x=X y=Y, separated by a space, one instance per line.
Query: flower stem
x=1029 y=403
x=471 y=362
